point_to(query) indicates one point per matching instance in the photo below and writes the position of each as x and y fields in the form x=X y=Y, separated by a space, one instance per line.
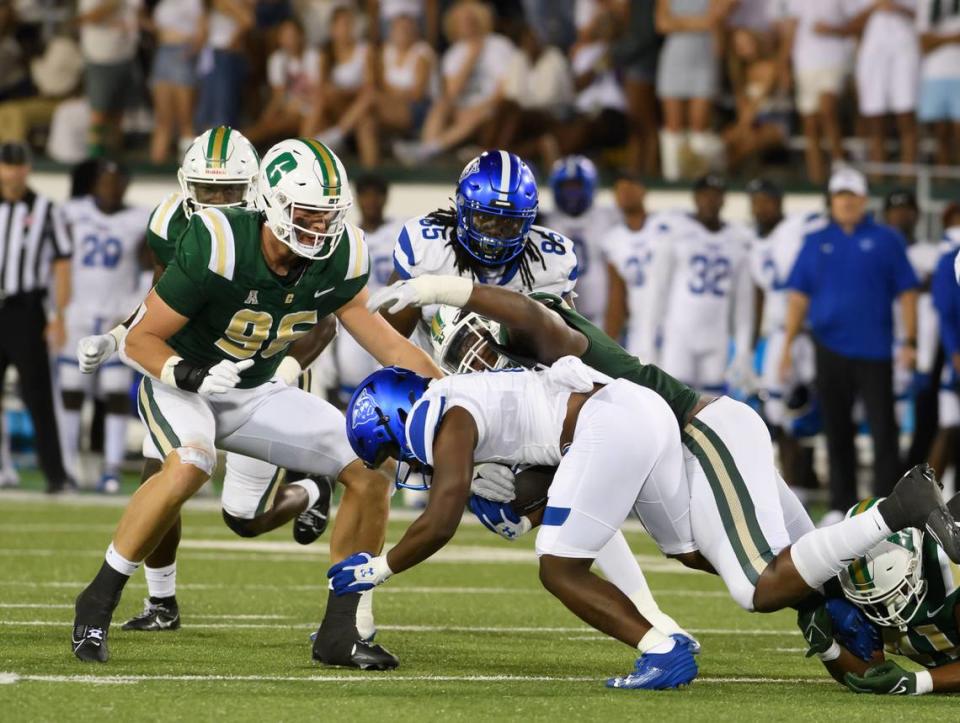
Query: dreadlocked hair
x=465 y=263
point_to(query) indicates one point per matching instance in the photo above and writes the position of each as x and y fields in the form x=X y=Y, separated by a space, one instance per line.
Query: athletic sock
x=312 y=490
x=161 y=581
x=114 y=443
x=366 y=627
x=820 y=554
x=95 y=605
x=655 y=642
x=70 y=433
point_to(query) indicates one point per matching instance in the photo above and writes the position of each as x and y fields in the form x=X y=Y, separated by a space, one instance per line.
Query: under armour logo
x=252 y=297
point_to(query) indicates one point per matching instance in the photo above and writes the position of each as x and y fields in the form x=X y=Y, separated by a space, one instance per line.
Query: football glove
x=817 y=628
x=888 y=678
x=422 y=291
x=92 y=351
x=359 y=573
x=853 y=630
x=494 y=482
x=288 y=371
x=206 y=380
x=499 y=517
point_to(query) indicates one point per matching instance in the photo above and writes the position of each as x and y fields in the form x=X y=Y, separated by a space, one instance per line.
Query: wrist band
x=831 y=653
x=166 y=372
x=924 y=682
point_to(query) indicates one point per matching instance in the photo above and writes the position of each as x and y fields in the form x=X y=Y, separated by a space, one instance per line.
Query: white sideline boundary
x=9 y=678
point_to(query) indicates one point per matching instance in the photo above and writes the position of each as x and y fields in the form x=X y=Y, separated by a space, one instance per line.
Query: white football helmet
x=463 y=341
x=219 y=170
x=887 y=583
x=302 y=174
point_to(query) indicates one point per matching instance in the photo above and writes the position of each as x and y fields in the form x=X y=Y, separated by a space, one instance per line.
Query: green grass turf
x=49 y=548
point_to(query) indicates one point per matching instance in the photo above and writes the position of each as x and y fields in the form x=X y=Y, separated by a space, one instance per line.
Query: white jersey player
x=576 y=216
x=108 y=237
x=700 y=272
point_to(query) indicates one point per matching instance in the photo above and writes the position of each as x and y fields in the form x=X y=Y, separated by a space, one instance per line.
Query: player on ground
x=702 y=291
x=573 y=181
x=108 y=236
x=568 y=416
x=210 y=336
x=905 y=587
x=748 y=526
x=219 y=170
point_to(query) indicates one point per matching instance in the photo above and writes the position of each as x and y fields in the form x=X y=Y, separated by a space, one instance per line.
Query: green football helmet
x=464 y=341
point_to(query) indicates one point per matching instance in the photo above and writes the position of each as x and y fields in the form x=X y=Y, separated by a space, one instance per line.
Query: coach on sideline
x=844 y=284
x=34 y=246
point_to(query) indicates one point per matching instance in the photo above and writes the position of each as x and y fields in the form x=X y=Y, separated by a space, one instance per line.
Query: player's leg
x=678 y=358
x=182 y=426
x=114 y=380
x=712 y=370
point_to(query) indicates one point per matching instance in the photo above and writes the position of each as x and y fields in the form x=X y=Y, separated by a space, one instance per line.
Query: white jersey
x=924 y=257
x=106 y=261
x=425 y=248
x=380 y=242
x=771 y=261
x=704 y=278
x=631 y=254
x=587 y=232
x=519 y=414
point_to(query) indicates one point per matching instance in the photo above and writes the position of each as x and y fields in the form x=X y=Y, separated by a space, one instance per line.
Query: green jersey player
x=242 y=288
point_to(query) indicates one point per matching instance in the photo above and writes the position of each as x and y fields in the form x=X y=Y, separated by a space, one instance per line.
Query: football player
x=747 y=525
x=241 y=289
x=219 y=170
x=946 y=300
x=905 y=587
x=573 y=182
x=568 y=417
x=108 y=236
x=703 y=293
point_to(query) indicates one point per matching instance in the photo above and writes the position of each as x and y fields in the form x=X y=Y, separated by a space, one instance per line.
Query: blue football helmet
x=573 y=181
x=496 y=205
x=377 y=415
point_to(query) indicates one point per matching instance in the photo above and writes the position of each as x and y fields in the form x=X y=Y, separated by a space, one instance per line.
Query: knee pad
x=202 y=459
x=239 y=525
x=117 y=404
x=72 y=399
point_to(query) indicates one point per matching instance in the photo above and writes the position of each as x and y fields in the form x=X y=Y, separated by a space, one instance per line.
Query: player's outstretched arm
x=145 y=345
x=381 y=340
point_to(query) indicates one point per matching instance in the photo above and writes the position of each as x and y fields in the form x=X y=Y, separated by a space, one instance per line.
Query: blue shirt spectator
x=852 y=280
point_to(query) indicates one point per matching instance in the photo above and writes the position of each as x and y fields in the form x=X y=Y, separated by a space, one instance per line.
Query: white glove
x=422 y=291
x=494 y=481
x=223 y=376
x=92 y=351
x=741 y=376
x=288 y=371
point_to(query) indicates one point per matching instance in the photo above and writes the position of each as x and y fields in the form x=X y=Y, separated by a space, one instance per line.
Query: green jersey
x=932 y=638
x=237 y=307
x=167 y=224
x=608 y=357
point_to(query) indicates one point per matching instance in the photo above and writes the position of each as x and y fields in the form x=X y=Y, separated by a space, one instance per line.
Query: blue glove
x=853 y=630
x=499 y=517
x=358 y=573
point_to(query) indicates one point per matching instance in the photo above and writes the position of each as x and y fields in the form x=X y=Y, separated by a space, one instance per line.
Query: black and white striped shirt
x=32 y=236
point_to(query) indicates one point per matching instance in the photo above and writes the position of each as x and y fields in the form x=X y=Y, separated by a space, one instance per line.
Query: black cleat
x=156 y=616
x=311 y=523
x=90 y=643
x=360 y=654
x=916 y=502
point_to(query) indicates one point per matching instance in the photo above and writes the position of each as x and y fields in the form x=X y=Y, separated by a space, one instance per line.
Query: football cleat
x=916 y=502
x=688 y=640
x=361 y=654
x=89 y=643
x=108 y=484
x=660 y=671
x=311 y=523
x=156 y=616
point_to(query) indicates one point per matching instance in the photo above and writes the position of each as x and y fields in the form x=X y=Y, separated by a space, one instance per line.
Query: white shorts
x=703 y=368
x=741 y=511
x=888 y=80
x=625 y=455
x=804 y=370
x=811 y=84
x=113 y=377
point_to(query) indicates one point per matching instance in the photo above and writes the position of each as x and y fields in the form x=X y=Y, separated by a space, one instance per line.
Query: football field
x=477 y=637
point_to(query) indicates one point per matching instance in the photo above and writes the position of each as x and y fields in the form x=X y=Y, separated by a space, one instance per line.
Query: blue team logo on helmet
x=496 y=205
x=573 y=181
x=377 y=415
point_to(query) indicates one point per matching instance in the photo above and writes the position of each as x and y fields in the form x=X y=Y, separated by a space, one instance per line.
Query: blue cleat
x=660 y=671
x=689 y=641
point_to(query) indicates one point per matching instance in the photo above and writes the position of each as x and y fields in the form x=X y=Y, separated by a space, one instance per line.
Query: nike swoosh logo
x=932 y=613
x=321 y=293
x=164 y=624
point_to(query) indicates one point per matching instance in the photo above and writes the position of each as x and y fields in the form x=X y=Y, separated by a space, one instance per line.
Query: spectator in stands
x=222 y=66
x=292 y=71
x=635 y=54
x=816 y=45
x=109 y=36
x=539 y=94
x=887 y=73
x=688 y=77
x=938 y=23
x=425 y=13
x=844 y=284
x=180 y=28
x=346 y=68
x=474 y=70
x=398 y=99
x=600 y=106
x=14 y=78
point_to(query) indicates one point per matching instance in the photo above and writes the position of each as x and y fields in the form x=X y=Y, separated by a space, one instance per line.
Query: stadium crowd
x=669 y=87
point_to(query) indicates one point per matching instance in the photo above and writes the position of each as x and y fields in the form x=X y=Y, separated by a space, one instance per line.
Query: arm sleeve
x=184 y=284
x=801 y=276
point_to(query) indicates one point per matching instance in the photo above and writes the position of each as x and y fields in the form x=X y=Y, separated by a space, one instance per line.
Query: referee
x=34 y=253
